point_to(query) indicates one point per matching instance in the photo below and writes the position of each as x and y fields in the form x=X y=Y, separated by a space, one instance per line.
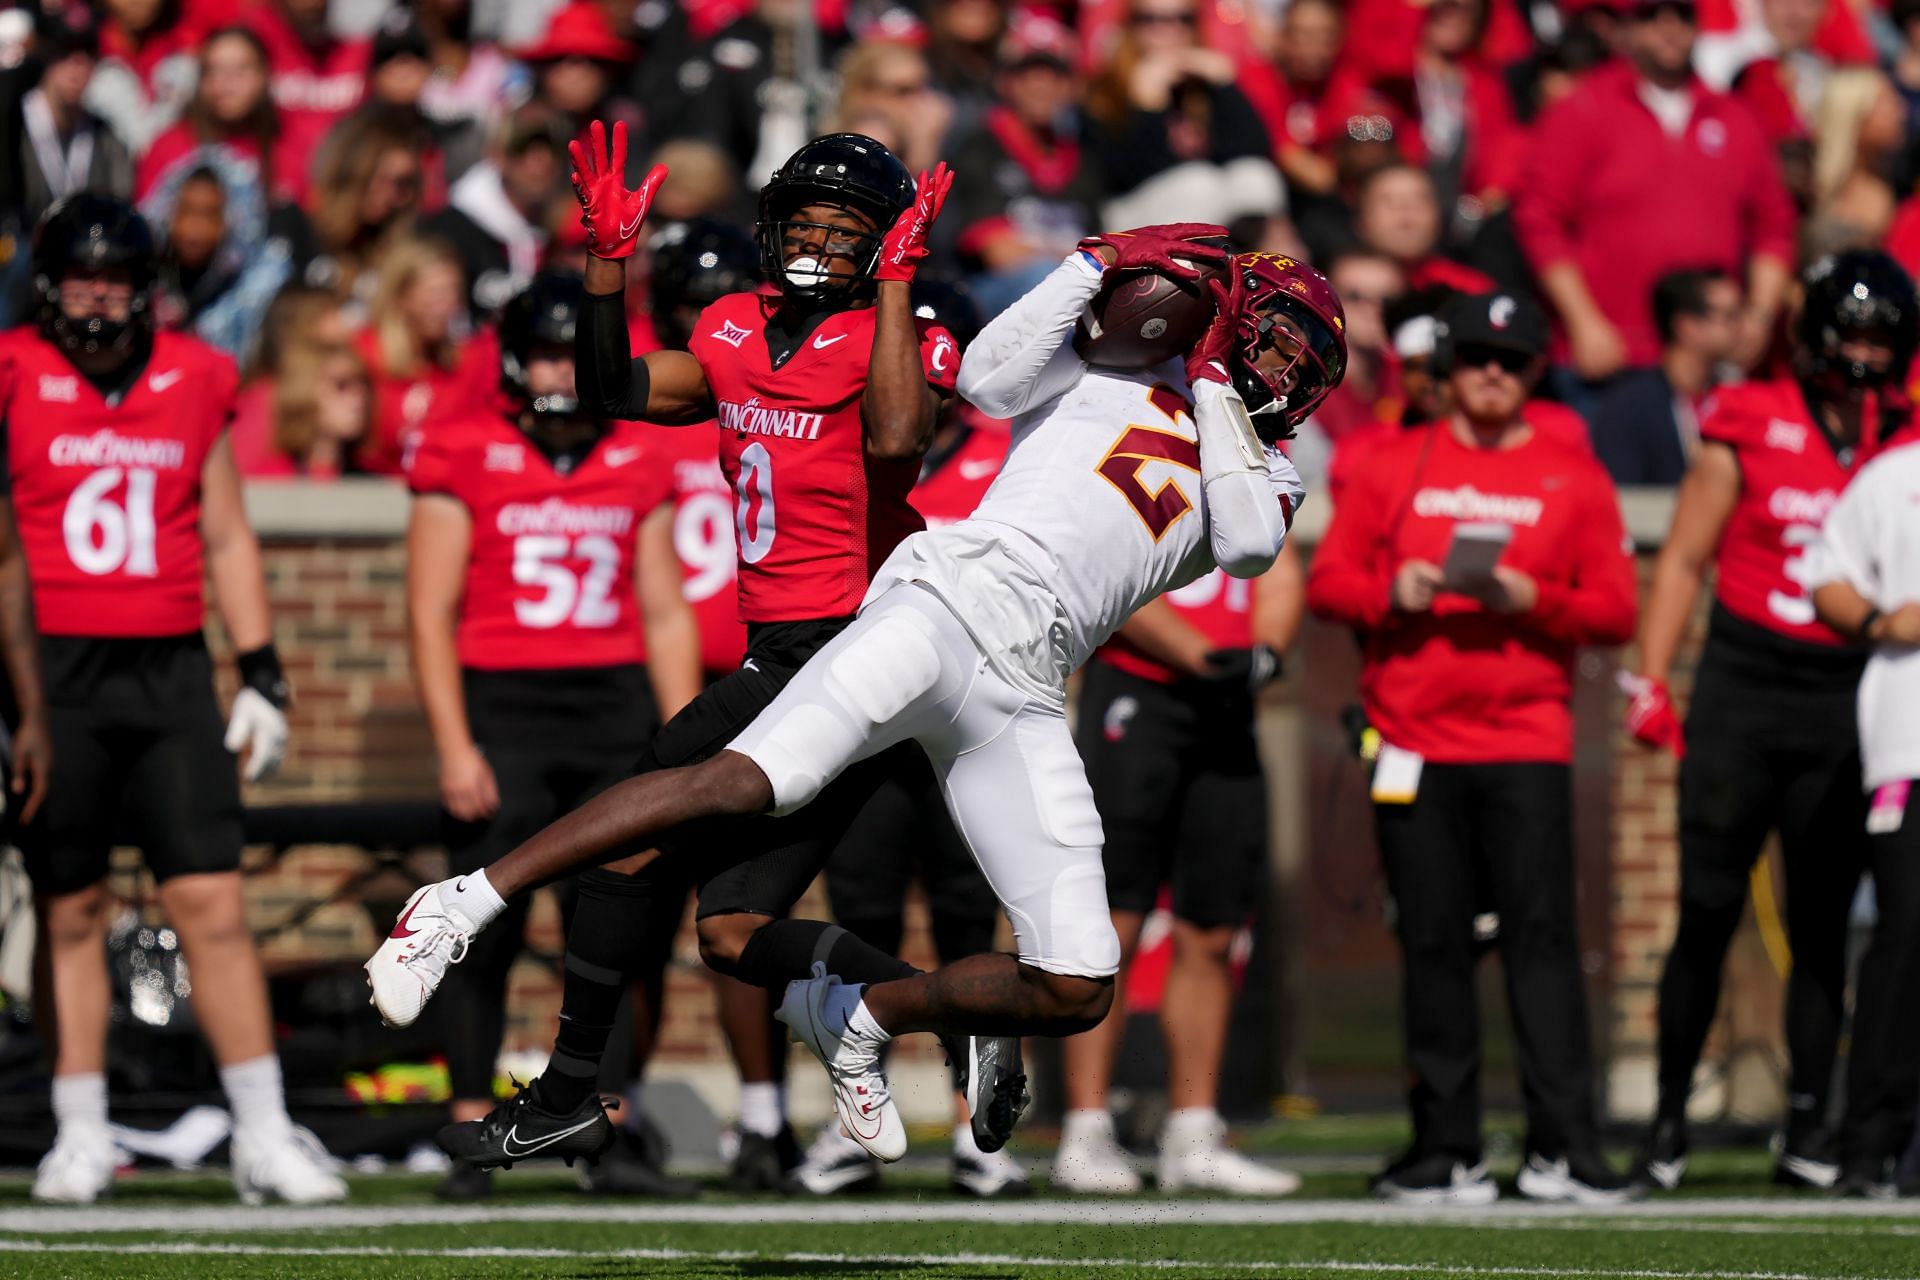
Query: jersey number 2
x=1136 y=447
x=104 y=536
x=585 y=600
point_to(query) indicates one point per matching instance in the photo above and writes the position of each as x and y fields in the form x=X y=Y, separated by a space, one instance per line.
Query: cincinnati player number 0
x=104 y=536
x=756 y=481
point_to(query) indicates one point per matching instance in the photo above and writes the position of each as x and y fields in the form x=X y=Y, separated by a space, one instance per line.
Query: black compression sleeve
x=611 y=382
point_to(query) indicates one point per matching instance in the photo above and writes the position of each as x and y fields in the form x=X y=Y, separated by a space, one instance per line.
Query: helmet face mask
x=695 y=264
x=1294 y=353
x=1859 y=323
x=87 y=249
x=538 y=324
x=830 y=203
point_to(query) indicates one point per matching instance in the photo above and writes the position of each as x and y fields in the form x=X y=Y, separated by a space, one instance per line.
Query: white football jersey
x=1098 y=510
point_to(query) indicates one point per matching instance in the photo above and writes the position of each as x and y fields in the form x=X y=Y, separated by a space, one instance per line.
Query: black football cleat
x=1806 y=1156
x=520 y=1129
x=464 y=1183
x=764 y=1163
x=1662 y=1162
x=628 y=1168
x=989 y=1073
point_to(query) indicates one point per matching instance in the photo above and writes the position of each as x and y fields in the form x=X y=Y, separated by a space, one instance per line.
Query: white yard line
x=1141 y=1213
x=178 y=1249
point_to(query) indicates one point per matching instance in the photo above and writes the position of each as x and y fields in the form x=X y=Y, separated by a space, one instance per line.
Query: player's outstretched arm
x=1022 y=357
x=899 y=408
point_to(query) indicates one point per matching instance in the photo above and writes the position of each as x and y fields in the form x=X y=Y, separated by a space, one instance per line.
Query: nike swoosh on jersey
x=821 y=341
x=621 y=457
x=506 y=1143
x=977 y=470
x=161 y=381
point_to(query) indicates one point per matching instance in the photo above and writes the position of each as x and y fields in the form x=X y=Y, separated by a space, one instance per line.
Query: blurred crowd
x=347 y=192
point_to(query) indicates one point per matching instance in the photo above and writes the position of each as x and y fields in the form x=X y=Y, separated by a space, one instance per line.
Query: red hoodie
x=1458 y=684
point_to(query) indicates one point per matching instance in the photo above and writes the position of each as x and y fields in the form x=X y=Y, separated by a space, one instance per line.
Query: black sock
x=780 y=952
x=606 y=947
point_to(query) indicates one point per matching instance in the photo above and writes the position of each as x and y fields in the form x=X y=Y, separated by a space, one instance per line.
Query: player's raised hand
x=612 y=213
x=1179 y=249
x=906 y=242
x=1212 y=355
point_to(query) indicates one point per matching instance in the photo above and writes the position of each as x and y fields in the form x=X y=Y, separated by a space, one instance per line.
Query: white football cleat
x=409 y=966
x=1194 y=1156
x=290 y=1166
x=860 y=1092
x=1091 y=1162
x=79 y=1168
x=835 y=1163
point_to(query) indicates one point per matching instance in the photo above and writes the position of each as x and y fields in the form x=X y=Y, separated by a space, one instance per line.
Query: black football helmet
x=949 y=303
x=86 y=233
x=544 y=314
x=849 y=170
x=1858 y=293
x=695 y=264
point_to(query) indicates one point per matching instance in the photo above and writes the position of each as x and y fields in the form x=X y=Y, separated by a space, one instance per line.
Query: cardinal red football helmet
x=1282 y=288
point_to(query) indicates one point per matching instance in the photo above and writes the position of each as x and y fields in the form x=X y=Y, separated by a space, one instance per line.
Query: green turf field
x=1729 y=1224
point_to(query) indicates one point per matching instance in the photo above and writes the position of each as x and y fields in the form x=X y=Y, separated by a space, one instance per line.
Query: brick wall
x=336 y=574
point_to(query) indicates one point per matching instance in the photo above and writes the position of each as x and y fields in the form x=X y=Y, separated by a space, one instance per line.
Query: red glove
x=1212 y=355
x=1650 y=716
x=612 y=213
x=1174 y=248
x=906 y=242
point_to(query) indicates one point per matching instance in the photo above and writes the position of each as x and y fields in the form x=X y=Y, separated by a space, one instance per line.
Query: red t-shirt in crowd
x=312 y=87
x=406 y=405
x=107 y=495
x=1609 y=190
x=815 y=515
x=550 y=572
x=1458 y=684
x=1790 y=477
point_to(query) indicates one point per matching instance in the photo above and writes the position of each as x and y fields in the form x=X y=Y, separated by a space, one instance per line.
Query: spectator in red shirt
x=577 y=63
x=1467 y=130
x=366 y=189
x=1468 y=678
x=1397 y=214
x=146 y=71
x=305 y=405
x=231 y=108
x=317 y=77
x=1311 y=36
x=1366 y=282
x=425 y=368
x=1642 y=170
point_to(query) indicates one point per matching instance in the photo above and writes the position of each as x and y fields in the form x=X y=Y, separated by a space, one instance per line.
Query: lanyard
x=65 y=170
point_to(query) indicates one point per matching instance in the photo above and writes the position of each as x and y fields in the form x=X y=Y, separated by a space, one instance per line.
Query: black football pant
x=1504 y=830
x=1764 y=755
x=1883 y=1064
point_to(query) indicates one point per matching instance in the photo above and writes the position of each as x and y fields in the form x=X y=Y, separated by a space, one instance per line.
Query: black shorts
x=138 y=759
x=758 y=865
x=1176 y=776
x=555 y=739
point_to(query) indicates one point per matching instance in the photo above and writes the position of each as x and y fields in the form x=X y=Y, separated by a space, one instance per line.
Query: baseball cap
x=1035 y=37
x=1508 y=321
x=398 y=37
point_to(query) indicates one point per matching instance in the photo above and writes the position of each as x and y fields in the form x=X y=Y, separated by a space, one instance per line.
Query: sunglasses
x=1474 y=355
x=1185 y=18
x=1673 y=8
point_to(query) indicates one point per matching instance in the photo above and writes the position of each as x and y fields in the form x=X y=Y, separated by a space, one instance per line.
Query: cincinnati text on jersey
x=1797 y=506
x=108 y=448
x=1469 y=503
x=556 y=515
x=750 y=417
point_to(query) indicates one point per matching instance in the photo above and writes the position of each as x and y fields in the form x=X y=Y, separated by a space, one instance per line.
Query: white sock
x=1086 y=1124
x=763 y=1108
x=80 y=1101
x=473 y=897
x=849 y=1006
x=254 y=1092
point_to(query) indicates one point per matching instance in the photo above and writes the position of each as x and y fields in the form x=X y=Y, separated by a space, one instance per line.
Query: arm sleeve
x=1023 y=356
x=611 y=382
x=1251 y=492
x=1599 y=602
x=1350 y=580
x=1844 y=551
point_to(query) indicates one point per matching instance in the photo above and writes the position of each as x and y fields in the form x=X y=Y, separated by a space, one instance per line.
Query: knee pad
x=1071 y=932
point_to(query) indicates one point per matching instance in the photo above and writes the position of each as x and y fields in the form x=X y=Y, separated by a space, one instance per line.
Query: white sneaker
x=990 y=1175
x=78 y=1170
x=836 y=1163
x=1090 y=1161
x=860 y=1092
x=407 y=969
x=1194 y=1156
x=290 y=1166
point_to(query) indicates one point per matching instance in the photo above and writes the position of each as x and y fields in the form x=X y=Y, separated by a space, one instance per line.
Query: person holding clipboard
x=1477 y=554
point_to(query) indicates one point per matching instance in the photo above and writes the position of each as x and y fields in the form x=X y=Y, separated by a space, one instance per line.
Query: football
x=1143 y=318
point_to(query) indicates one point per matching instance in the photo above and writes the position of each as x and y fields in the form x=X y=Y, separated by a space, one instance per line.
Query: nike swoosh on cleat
x=399 y=926
x=506 y=1143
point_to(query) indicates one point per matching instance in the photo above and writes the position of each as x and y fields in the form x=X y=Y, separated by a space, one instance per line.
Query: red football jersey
x=813 y=515
x=955 y=487
x=1790 y=477
x=703 y=539
x=550 y=573
x=107 y=495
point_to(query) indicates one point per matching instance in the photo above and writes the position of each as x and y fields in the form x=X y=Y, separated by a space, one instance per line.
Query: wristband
x=1865 y=631
x=260 y=671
